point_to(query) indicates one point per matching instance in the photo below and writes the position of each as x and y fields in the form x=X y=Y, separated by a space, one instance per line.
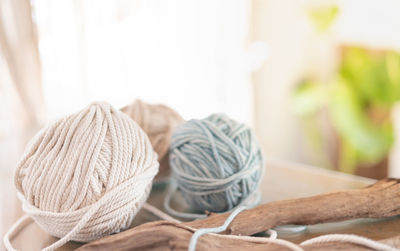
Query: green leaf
x=393 y=71
x=323 y=17
x=359 y=100
x=308 y=98
x=349 y=117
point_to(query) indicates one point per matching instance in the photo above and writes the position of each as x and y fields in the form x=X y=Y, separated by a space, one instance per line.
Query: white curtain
x=192 y=55
x=21 y=101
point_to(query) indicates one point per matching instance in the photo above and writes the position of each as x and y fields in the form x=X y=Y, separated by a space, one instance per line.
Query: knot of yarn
x=216 y=163
x=87 y=175
x=158 y=122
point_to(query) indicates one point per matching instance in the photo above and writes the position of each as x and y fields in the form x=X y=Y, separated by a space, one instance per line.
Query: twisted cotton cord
x=251 y=201
x=294 y=229
x=158 y=122
x=281 y=242
x=350 y=238
x=160 y=214
x=87 y=175
x=26 y=220
x=216 y=164
x=15 y=228
x=202 y=231
x=272 y=239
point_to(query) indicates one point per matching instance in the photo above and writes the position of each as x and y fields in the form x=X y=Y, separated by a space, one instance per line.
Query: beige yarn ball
x=158 y=121
x=87 y=175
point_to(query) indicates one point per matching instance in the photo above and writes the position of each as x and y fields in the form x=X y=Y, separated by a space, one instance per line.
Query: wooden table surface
x=282 y=180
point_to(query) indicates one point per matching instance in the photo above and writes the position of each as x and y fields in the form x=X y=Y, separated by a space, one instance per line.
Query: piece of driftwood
x=164 y=239
x=381 y=199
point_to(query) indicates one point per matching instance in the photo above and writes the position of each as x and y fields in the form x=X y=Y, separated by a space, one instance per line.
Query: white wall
x=188 y=54
x=282 y=25
x=297 y=51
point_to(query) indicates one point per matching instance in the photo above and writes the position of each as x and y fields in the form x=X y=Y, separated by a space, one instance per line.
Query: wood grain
x=381 y=199
x=179 y=240
x=283 y=180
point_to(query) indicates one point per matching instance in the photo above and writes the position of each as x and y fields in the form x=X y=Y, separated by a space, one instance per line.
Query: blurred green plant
x=323 y=17
x=358 y=100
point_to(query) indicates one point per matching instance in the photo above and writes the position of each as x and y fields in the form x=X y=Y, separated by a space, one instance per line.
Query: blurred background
x=319 y=81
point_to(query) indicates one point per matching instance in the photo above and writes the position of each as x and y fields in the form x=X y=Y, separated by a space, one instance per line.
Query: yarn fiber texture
x=86 y=175
x=216 y=163
x=158 y=122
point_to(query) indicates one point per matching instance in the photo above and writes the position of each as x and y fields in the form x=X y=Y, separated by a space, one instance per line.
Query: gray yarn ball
x=216 y=163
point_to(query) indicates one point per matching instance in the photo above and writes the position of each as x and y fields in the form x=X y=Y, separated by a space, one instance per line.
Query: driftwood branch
x=164 y=239
x=381 y=199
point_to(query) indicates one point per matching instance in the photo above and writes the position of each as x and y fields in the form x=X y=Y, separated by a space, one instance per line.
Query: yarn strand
x=26 y=220
x=223 y=227
x=160 y=214
x=158 y=122
x=349 y=238
x=85 y=176
x=15 y=228
x=216 y=165
x=251 y=201
x=215 y=230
